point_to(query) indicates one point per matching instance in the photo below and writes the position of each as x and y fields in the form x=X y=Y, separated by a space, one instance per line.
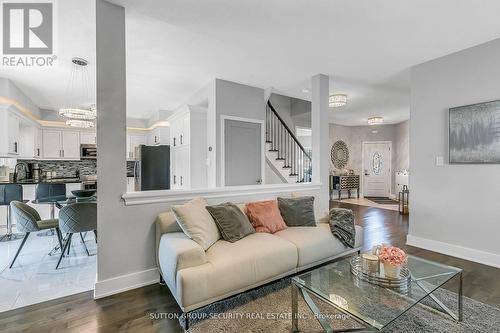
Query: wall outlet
x=439 y=161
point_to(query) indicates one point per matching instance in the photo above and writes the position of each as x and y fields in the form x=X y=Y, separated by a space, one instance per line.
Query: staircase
x=284 y=153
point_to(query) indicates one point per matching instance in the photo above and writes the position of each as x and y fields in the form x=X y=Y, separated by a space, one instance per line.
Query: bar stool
x=46 y=193
x=9 y=193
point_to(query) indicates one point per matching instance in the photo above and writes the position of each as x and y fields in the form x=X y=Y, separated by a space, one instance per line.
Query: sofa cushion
x=236 y=266
x=196 y=222
x=316 y=243
x=265 y=216
x=297 y=212
x=233 y=224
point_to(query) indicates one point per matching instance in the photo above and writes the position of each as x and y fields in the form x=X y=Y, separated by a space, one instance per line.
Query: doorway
x=376 y=168
x=243 y=142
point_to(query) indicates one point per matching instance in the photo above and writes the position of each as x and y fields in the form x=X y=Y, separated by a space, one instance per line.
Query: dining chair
x=79 y=218
x=9 y=193
x=28 y=220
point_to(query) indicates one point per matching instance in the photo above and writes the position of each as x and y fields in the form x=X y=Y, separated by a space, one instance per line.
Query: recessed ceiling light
x=305 y=90
x=375 y=120
x=337 y=100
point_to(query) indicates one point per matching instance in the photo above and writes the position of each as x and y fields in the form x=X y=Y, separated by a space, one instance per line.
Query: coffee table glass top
x=374 y=305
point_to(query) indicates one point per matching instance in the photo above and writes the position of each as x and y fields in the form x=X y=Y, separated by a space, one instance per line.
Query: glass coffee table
x=372 y=306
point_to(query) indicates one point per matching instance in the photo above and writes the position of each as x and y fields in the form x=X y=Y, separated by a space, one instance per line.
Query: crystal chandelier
x=376 y=120
x=80 y=123
x=337 y=100
x=80 y=83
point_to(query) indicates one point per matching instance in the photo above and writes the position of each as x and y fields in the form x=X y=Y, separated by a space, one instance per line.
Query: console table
x=347 y=182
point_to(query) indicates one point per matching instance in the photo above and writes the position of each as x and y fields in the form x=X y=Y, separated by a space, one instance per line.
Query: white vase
x=391 y=271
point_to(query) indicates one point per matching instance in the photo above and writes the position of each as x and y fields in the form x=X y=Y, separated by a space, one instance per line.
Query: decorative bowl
x=83 y=193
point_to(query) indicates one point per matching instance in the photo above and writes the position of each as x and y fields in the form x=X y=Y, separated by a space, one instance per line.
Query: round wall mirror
x=340 y=154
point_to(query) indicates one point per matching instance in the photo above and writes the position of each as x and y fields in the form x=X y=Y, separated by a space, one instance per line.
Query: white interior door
x=377 y=169
x=242 y=153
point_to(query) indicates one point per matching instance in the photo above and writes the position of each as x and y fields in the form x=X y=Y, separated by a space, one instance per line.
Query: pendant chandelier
x=80 y=123
x=79 y=84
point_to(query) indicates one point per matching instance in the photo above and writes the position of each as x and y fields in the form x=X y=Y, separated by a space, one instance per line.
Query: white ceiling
x=75 y=32
x=175 y=47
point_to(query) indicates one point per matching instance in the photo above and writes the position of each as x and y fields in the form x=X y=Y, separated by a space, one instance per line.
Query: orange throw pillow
x=265 y=216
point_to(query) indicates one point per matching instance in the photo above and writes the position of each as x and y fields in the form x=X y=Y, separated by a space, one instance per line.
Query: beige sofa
x=197 y=278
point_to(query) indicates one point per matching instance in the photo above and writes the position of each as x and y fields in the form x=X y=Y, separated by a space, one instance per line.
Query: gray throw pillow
x=297 y=212
x=233 y=224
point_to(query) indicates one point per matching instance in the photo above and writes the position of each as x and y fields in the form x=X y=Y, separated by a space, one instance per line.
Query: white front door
x=377 y=169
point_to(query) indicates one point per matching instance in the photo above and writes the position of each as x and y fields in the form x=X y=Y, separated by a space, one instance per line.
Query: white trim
x=486 y=258
x=126 y=282
x=149 y=197
x=362 y=185
x=223 y=118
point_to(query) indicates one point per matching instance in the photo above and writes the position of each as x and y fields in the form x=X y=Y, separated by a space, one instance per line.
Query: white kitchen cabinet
x=13 y=134
x=71 y=145
x=61 y=144
x=52 y=144
x=30 y=141
x=134 y=141
x=159 y=136
x=38 y=143
x=88 y=138
x=130 y=184
x=188 y=152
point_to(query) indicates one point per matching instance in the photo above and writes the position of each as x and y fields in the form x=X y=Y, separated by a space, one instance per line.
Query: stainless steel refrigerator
x=152 y=168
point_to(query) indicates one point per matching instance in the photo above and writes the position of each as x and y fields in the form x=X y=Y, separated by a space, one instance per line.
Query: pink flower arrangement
x=392 y=255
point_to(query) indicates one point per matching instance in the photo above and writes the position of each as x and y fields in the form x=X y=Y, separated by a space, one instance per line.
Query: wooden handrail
x=288 y=130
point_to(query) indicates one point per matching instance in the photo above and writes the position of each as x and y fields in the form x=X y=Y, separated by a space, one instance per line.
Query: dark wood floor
x=131 y=311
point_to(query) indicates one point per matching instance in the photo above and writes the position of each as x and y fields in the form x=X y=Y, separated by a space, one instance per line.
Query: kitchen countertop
x=47 y=181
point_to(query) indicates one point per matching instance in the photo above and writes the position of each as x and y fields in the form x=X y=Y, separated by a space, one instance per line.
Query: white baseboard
x=482 y=257
x=126 y=282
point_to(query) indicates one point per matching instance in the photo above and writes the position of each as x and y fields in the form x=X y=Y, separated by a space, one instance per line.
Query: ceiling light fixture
x=375 y=120
x=305 y=90
x=79 y=84
x=337 y=100
x=80 y=113
x=80 y=123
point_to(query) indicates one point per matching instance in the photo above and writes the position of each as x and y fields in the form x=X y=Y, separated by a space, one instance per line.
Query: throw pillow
x=196 y=222
x=297 y=212
x=265 y=216
x=232 y=222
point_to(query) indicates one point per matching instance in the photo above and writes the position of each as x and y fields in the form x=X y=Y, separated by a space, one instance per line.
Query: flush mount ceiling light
x=376 y=120
x=79 y=123
x=79 y=84
x=337 y=100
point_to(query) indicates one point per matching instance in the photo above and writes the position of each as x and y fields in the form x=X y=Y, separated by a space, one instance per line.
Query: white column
x=320 y=138
x=111 y=131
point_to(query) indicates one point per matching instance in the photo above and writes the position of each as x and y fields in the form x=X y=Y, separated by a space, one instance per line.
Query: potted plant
x=393 y=258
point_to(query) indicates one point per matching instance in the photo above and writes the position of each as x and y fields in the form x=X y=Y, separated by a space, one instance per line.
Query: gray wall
x=293 y=111
x=456 y=205
x=354 y=136
x=402 y=147
x=238 y=100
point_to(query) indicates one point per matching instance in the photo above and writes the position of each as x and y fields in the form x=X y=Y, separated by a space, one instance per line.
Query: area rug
x=383 y=200
x=268 y=309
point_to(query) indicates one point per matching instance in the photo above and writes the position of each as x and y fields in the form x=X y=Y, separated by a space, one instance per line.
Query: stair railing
x=289 y=149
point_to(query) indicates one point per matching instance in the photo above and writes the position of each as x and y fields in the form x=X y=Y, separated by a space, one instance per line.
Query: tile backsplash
x=66 y=169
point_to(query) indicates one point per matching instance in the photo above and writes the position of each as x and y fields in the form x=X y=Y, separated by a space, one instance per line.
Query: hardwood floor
x=131 y=311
